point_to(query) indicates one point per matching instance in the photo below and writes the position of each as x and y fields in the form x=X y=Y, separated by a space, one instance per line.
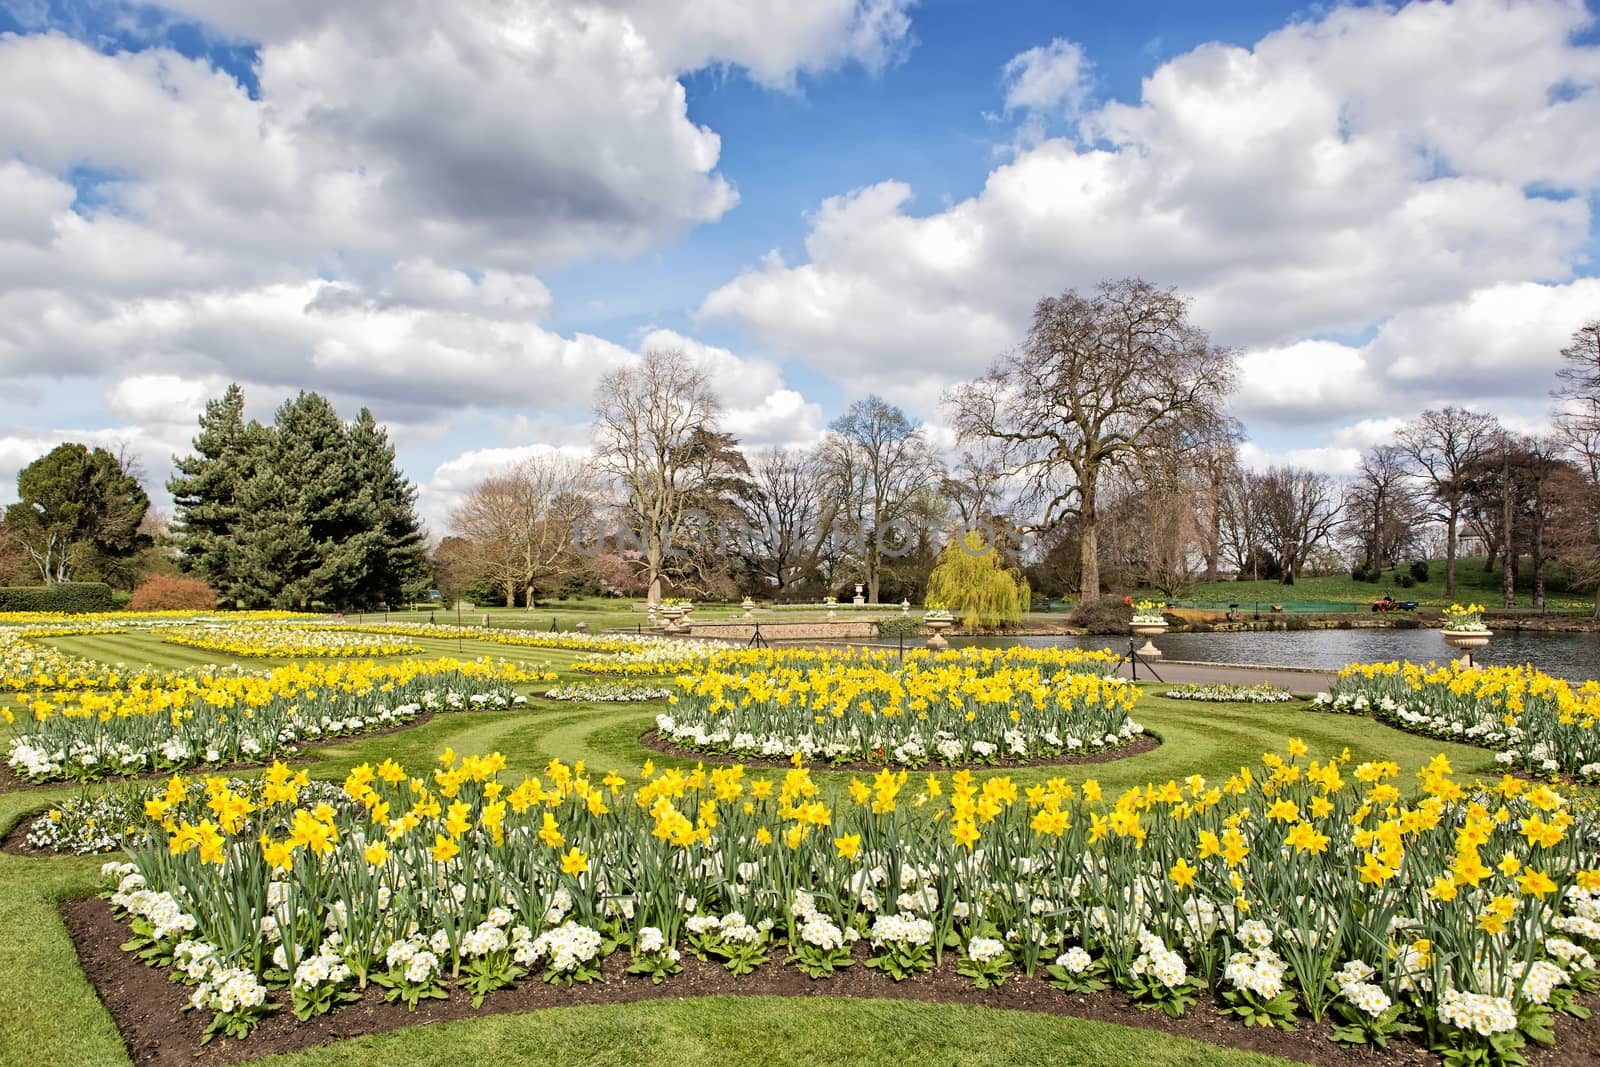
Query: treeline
x=1107 y=387
x=307 y=512
x=1097 y=455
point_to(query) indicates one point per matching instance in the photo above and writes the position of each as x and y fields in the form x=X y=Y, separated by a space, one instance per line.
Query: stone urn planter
x=1466 y=642
x=673 y=613
x=749 y=607
x=1149 y=629
x=858 y=598
x=936 y=640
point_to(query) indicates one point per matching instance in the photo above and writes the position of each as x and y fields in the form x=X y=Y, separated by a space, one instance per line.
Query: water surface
x=1573 y=656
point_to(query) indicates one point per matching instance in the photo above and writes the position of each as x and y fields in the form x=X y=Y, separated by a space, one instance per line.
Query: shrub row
x=63 y=596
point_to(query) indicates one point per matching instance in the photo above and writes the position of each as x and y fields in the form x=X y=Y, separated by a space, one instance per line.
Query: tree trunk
x=873 y=559
x=1214 y=544
x=1452 y=519
x=1088 y=548
x=1537 y=549
x=1509 y=549
x=1376 y=551
x=511 y=594
x=654 y=553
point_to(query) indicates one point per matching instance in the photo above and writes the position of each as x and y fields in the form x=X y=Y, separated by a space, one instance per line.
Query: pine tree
x=301 y=536
x=400 y=563
x=305 y=513
x=206 y=489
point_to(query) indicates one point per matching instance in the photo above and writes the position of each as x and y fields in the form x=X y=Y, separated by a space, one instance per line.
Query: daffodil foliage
x=1536 y=722
x=973 y=706
x=286 y=641
x=217 y=716
x=1295 y=887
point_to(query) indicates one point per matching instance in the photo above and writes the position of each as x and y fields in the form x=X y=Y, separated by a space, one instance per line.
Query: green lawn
x=1473 y=583
x=49 y=1014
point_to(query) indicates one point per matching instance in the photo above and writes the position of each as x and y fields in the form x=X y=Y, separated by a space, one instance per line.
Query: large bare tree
x=1099 y=380
x=518 y=526
x=1446 y=445
x=1580 y=377
x=648 y=420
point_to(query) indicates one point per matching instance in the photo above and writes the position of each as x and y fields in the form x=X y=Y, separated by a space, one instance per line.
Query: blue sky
x=462 y=216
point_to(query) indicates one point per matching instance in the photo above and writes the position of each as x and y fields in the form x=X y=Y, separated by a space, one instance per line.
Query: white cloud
x=1496 y=348
x=371 y=222
x=1339 y=173
x=161 y=399
x=1052 y=77
x=774 y=40
x=1337 y=461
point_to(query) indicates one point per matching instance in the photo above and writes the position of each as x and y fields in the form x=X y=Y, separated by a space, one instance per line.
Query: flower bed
x=1534 y=721
x=288 y=642
x=29 y=668
x=90 y=823
x=928 y=710
x=226 y=718
x=511 y=636
x=125 y=619
x=610 y=692
x=1294 y=889
x=668 y=658
x=1264 y=693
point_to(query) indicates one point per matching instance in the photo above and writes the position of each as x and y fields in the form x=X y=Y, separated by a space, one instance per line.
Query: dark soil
x=147 y=1007
x=16 y=842
x=1145 y=742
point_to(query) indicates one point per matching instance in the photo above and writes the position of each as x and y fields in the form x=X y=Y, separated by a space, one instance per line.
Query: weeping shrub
x=971 y=583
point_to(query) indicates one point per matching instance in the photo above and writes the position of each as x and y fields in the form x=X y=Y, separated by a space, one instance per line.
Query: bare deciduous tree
x=1578 y=423
x=1098 y=381
x=518 y=526
x=647 y=418
x=787 y=513
x=1299 y=509
x=1382 y=513
x=1580 y=376
x=877 y=464
x=1445 y=445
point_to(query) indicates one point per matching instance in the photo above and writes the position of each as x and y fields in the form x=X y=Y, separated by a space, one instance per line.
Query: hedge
x=63 y=596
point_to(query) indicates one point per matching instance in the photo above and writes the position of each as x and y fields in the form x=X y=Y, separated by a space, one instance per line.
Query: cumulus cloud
x=371 y=216
x=1496 y=348
x=1341 y=172
x=1052 y=77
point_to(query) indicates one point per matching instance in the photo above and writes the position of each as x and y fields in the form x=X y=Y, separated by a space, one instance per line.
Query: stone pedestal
x=1467 y=642
x=1149 y=631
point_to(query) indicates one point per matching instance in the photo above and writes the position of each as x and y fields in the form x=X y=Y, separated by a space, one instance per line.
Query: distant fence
x=1275 y=607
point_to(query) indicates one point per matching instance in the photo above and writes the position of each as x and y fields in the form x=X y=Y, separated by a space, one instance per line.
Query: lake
x=1573 y=656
